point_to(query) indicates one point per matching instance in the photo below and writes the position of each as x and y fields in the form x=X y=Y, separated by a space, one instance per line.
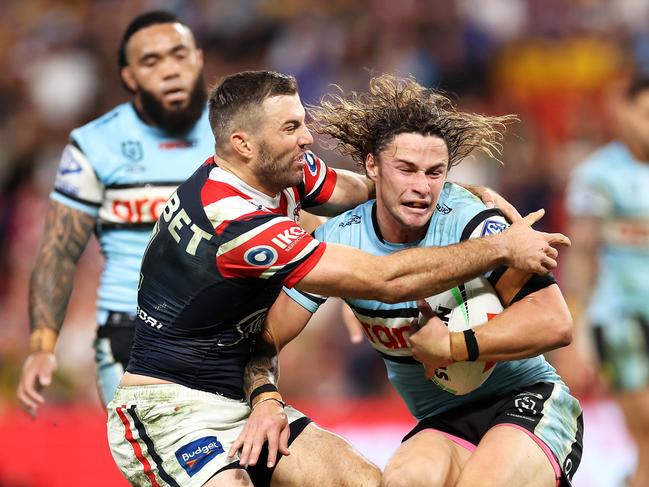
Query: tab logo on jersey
x=311 y=162
x=490 y=227
x=261 y=255
x=193 y=456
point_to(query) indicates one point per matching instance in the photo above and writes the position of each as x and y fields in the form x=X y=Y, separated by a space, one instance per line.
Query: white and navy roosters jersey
x=218 y=257
x=121 y=171
x=613 y=186
x=459 y=216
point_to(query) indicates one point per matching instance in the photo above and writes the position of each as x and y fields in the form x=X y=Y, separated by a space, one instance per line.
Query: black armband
x=261 y=389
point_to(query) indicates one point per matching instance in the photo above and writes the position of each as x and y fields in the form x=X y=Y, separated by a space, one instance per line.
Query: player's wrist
x=265 y=392
x=42 y=340
x=464 y=346
x=500 y=245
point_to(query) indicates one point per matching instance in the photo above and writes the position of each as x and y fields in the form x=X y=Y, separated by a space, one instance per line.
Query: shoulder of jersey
x=601 y=159
x=105 y=121
x=456 y=200
x=345 y=224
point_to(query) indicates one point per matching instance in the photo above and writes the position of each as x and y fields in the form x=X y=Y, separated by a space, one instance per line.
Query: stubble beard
x=274 y=172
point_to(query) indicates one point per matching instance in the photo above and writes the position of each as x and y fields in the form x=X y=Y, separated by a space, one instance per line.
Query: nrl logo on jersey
x=132 y=150
x=443 y=209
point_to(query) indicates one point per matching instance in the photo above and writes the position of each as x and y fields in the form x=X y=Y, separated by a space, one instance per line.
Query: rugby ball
x=466 y=306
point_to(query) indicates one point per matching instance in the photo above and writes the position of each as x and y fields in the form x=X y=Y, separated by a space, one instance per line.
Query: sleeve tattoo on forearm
x=67 y=232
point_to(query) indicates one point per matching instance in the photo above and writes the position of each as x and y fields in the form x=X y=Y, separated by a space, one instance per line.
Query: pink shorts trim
x=456 y=439
x=548 y=453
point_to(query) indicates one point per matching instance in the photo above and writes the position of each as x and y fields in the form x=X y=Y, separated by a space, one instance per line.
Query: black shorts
x=260 y=473
x=545 y=410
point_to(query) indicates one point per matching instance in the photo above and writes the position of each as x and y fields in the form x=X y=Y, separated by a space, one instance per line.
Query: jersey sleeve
x=76 y=184
x=267 y=246
x=510 y=284
x=587 y=194
x=319 y=182
x=309 y=301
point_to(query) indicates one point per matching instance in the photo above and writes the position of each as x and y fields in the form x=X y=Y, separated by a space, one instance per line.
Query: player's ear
x=242 y=144
x=128 y=79
x=371 y=167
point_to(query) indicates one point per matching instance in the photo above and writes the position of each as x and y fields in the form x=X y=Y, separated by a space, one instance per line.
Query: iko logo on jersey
x=493 y=226
x=311 y=162
x=193 y=456
x=261 y=255
x=288 y=238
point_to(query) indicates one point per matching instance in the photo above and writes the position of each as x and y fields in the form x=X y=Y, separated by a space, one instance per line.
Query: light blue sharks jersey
x=122 y=171
x=613 y=186
x=459 y=216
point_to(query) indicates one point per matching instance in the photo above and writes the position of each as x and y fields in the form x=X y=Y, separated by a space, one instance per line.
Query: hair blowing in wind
x=365 y=123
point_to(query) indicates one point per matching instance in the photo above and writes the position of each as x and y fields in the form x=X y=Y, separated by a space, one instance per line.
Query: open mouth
x=418 y=205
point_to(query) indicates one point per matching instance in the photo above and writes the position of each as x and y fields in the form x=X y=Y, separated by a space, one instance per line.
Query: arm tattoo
x=263 y=366
x=67 y=232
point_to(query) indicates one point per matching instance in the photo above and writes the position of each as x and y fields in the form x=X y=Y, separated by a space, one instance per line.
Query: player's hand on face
x=267 y=421
x=529 y=250
x=492 y=199
x=429 y=339
x=36 y=375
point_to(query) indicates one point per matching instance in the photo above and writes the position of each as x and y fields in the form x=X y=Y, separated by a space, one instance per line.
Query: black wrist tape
x=471 y=345
x=260 y=389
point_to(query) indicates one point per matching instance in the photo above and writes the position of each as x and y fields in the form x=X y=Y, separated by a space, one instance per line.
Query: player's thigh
x=508 y=456
x=234 y=477
x=430 y=458
x=319 y=457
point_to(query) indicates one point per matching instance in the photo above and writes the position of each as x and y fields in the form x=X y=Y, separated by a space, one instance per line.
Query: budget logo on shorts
x=193 y=456
x=311 y=162
x=493 y=226
x=262 y=255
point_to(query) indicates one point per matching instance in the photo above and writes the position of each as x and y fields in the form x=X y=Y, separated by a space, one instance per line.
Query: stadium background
x=554 y=62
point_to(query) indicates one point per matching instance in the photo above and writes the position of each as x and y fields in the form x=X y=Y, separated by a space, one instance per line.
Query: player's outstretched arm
x=267 y=421
x=67 y=232
x=537 y=323
x=421 y=272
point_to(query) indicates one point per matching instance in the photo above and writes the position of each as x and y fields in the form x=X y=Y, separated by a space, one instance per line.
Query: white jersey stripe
x=249 y=235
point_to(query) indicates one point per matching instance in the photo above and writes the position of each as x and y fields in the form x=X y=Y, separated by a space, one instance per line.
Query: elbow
x=561 y=329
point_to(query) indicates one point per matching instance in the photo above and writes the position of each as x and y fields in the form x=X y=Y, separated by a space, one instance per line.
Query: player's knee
x=413 y=474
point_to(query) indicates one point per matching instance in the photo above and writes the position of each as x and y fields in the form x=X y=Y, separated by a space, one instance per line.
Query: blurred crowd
x=555 y=63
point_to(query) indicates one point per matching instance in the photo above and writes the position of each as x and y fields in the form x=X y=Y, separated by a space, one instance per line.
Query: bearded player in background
x=115 y=175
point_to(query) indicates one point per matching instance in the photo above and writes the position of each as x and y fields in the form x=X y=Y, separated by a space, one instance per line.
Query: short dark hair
x=237 y=95
x=638 y=84
x=140 y=22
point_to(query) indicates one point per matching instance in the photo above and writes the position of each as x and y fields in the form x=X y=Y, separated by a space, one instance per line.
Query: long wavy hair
x=365 y=123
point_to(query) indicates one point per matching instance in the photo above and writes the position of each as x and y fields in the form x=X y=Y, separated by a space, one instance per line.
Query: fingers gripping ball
x=466 y=306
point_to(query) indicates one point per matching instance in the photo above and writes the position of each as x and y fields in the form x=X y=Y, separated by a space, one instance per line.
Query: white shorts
x=170 y=434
